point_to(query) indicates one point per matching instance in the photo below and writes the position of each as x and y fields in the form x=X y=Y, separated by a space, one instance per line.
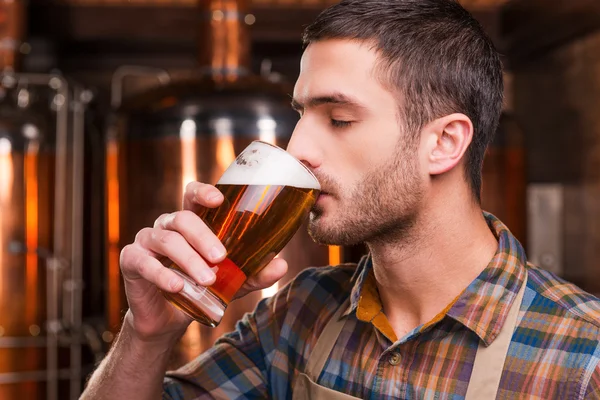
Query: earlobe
x=452 y=135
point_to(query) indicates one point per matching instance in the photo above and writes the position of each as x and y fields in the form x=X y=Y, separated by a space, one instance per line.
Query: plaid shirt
x=554 y=353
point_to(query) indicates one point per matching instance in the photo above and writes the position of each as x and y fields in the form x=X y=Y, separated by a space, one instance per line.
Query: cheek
x=381 y=146
x=353 y=155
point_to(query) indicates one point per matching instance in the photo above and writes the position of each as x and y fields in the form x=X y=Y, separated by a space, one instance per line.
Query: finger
x=196 y=233
x=272 y=273
x=137 y=263
x=198 y=195
x=174 y=246
x=159 y=221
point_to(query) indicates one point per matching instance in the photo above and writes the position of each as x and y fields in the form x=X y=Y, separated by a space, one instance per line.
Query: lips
x=323 y=195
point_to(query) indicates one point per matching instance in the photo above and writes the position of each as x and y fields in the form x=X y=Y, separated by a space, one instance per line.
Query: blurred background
x=109 y=107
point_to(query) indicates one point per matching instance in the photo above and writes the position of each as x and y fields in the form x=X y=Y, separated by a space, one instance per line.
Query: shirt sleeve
x=242 y=364
x=234 y=368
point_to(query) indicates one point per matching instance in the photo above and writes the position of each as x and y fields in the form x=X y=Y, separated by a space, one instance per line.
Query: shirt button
x=395 y=359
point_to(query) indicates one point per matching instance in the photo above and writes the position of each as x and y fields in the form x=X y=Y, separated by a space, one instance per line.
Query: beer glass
x=268 y=195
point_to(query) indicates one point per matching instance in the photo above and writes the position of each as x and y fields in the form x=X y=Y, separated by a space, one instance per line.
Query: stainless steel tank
x=191 y=129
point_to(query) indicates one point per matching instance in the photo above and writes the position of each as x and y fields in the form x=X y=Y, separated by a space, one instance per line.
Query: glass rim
x=291 y=156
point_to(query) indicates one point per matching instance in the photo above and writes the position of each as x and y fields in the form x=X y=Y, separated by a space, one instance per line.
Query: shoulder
x=560 y=324
x=312 y=290
x=556 y=346
x=287 y=322
x=323 y=282
x=564 y=299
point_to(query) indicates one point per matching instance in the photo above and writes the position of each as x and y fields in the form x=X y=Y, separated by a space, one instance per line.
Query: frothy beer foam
x=263 y=164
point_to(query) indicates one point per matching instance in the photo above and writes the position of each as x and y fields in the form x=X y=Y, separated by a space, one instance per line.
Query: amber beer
x=268 y=194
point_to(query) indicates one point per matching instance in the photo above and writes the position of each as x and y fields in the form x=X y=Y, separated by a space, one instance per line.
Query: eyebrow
x=334 y=98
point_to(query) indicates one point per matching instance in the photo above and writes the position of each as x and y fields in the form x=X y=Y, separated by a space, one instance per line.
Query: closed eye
x=340 y=124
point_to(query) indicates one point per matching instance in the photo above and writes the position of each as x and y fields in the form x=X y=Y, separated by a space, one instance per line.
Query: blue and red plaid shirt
x=554 y=353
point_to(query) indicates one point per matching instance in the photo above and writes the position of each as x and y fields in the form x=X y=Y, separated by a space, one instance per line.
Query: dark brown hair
x=435 y=55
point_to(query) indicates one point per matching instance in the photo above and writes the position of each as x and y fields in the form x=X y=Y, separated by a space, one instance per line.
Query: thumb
x=273 y=272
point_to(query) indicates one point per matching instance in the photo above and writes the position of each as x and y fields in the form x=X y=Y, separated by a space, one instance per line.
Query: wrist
x=142 y=343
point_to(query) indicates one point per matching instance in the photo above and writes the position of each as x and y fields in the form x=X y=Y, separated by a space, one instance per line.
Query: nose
x=303 y=145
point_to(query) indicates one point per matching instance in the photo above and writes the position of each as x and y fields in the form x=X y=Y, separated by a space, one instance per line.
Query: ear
x=447 y=141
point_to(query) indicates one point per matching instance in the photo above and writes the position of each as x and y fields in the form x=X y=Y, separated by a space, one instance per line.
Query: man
x=398 y=101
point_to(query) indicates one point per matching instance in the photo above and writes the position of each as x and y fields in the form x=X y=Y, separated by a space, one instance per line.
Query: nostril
x=307 y=165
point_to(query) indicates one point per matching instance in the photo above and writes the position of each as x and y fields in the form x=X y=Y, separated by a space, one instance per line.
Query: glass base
x=198 y=302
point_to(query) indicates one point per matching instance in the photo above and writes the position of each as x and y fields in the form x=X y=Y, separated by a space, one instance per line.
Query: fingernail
x=206 y=276
x=214 y=196
x=216 y=253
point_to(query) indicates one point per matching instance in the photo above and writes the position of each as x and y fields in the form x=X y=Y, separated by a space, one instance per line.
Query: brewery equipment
x=41 y=180
x=189 y=128
x=504 y=177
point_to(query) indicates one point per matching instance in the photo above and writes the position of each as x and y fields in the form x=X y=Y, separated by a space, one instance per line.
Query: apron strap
x=489 y=361
x=320 y=353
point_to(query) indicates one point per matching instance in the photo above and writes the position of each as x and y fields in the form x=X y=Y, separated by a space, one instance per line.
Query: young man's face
x=351 y=136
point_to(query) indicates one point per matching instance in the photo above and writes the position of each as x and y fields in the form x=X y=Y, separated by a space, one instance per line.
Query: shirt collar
x=365 y=301
x=364 y=268
x=482 y=307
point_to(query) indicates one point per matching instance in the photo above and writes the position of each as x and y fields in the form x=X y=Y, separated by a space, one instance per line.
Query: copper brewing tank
x=504 y=189
x=41 y=207
x=192 y=129
x=27 y=157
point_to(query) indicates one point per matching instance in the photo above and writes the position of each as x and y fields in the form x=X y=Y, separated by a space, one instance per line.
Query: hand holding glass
x=268 y=195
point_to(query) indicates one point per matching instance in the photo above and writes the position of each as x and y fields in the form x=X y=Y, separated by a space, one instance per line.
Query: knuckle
x=142 y=234
x=208 y=239
x=160 y=220
x=163 y=277
x=189 y=188
x=125 y=256
x=191 y=259
x=187 y=214
x=130 y=258
x=203 y=189
x=167 y=237
x=141 y=267
x=180 y=220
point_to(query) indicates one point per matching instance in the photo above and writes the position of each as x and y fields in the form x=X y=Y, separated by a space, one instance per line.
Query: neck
x=419 y=275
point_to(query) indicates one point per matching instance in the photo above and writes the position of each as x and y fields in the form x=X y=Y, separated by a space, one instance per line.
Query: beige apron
x=485 y=378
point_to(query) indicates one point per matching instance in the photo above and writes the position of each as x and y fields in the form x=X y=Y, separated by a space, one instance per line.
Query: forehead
x=339 y=65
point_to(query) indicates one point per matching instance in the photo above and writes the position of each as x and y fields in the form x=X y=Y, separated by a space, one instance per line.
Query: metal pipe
x=116 y=86
x=75 y=284
x=113 y=297
x=17 y=342
x=56 y=262
x=30 y=376
x=53 y=273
